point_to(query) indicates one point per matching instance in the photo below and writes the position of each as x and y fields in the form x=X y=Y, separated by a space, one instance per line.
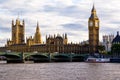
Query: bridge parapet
x=10 y=53
x=42 y=56
x=12 y=56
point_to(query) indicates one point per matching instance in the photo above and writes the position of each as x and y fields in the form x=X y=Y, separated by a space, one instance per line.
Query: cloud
x=69 y=11
x=4 y=29
x=59 y=16
x=74 y=26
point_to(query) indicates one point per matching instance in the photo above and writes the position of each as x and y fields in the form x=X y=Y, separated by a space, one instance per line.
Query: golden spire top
x=37 y=29
x=37 y=24
x=93 y=13
x=93 y=9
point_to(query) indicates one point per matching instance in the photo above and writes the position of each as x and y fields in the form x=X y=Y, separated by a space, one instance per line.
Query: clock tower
x=93 y=27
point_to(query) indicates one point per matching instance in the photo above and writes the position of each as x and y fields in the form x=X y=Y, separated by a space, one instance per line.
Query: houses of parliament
x=54 y=43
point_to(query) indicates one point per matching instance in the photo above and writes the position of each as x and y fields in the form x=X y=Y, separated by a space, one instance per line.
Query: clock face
x=96 y=24
x=91 y=23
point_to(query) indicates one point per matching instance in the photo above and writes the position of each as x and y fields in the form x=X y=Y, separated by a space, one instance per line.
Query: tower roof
x=37 y=28
x=93 y=9
x=37 y=36
x=58 y=36
x=117 y=38
x=93 y=13
x=17 y=21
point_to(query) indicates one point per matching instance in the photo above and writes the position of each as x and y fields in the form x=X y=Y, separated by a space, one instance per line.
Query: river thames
x=60 y=71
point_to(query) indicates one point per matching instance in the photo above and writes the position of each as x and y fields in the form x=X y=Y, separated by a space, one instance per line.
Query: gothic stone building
x=54 y=43
x=93 y=27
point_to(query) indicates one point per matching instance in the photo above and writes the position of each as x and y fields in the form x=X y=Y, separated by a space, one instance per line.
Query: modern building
x=54 y=43
x=107 y=41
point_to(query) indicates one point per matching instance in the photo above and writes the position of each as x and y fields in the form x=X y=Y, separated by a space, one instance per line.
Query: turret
x=17 y=21
x=30 y=41
x=54 y=35
x=12 y=22
x=65 y=39
x=46 y=37
x=65 y=36
x=23 y=23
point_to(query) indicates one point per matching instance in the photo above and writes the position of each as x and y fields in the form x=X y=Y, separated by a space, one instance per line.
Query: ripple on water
x=60 y=71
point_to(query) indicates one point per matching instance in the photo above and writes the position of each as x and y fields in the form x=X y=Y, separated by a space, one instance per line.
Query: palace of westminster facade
x=55 y=43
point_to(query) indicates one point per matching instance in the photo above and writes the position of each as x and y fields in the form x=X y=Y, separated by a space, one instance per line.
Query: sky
x=59 y=17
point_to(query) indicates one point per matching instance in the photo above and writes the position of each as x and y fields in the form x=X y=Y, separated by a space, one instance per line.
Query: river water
x=60 y=71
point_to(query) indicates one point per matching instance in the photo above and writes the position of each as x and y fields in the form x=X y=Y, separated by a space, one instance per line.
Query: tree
x=115 y=49
x=101 y=48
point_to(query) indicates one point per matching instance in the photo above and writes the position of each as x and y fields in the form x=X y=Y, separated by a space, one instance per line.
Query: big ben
x=93 y=26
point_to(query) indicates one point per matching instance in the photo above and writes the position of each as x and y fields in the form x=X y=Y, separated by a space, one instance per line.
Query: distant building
x=107 y=41
x=54 y=43
x=85 y=42
x=116 y=40
x=116 y=46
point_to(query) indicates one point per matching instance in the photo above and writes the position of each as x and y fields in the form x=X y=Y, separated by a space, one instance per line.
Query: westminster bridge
x=20 y=57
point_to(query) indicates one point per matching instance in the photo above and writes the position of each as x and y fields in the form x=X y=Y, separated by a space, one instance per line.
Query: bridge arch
x=11 y=57
x=61 y=58
x=78 y=58
x=37 y=57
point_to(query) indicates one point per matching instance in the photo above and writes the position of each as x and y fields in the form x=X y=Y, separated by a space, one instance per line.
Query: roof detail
x=93 y=9
x=116 y=39
x=93 y=13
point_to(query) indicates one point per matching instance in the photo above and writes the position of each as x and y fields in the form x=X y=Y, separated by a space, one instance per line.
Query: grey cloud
x=109 y=30
x=9 y=9
x=115 y=22
x=4 y=29
x=3 y=41
x=74 y=26
x=70 y=11
x=71 y=34
x=2 y=1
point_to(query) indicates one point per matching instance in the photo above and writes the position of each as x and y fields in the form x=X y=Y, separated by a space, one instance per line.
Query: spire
x=93 y=13
x=93 y=9
x=37 y=36
x=37 y=29
x=117 y=33
x=23 y=22
x=65 y=36
x=54 y=35
x=12 y=22
x=46 y=37
x=37 y=24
